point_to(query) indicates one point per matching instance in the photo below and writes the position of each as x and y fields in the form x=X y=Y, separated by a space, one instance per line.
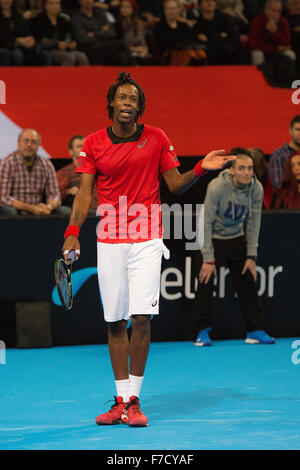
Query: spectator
x=232 y=218
x=110 y=7
x=97 y=37
x=52 y=31
x=253 y=8
x=235 y=8
x=151 y=12
x=279 y=157
x=17 y=45
x=174 y=38
x=29 y=9
x=132 y=29
x=261 y=170
x=293 y=16
x=270 y=44
x=68 y=179
x=190 y=11
x=25 y=177
x=217 y=32
x=288 y=196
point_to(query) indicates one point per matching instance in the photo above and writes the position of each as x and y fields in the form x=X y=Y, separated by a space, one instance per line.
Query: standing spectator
x=279 y=157
x=288 y=196
x=52 y=31
x=17 y=45
x=232 y=218
x=97 y=37
x=69 y=180
x=29 y=9
x=132 y=29
x=174 y=38
x=270 y=44
x=218 y=33
x=25 y=177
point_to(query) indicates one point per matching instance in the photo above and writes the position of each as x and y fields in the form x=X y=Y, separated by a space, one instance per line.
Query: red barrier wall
x=200 y=108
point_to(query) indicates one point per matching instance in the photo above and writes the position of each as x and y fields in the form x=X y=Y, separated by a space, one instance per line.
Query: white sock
x=122 y=387
x=135 y=384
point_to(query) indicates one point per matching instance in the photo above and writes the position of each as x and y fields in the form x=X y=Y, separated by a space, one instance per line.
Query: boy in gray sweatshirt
x=232 y=218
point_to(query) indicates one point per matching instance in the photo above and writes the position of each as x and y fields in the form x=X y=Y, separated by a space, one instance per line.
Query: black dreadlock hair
x=124 y=78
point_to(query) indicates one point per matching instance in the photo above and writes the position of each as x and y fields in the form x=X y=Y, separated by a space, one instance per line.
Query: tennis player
x=126 y=161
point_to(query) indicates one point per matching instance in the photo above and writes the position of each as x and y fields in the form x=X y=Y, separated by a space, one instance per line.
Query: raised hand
x=216 y=160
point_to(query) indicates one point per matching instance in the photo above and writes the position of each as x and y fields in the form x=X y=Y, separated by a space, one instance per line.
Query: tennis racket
x=62 y=272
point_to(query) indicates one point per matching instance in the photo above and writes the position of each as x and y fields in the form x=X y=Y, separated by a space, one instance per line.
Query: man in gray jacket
x=232 y=218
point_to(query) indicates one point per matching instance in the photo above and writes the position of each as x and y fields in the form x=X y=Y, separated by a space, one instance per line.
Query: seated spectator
x=253 y=8
x=190 y=11
x=279 y=157
x=26 y=177
x=262 y=173
x=131 y=28
x=111 y=7
x=17 y=45
x=151 y=12
x=29 y=9
x=218 y=33
x=270 y=44
x=174 y=39
x=52 y=31
x=68 y=179
x=97 y=37
x=235 y=9
x=288 y=196
x=293 y=16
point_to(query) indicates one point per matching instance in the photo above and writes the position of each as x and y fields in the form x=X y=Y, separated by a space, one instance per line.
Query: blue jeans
x=8 y=211
x=10 y=57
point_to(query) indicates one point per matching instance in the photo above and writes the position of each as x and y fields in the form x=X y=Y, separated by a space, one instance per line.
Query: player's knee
x=117 y=328
x=140 y=323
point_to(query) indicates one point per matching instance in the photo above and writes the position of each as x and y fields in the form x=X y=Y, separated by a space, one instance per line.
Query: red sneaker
x=114 y=415
x=134 y=413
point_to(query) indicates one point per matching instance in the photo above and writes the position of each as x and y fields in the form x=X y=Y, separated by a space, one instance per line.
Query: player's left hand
x=216 y=160
x=251 y=265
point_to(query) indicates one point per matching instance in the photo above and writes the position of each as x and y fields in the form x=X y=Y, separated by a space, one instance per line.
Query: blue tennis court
x=231 y=396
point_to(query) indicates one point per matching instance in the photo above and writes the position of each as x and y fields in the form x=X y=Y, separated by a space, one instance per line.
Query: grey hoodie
x=231 y=212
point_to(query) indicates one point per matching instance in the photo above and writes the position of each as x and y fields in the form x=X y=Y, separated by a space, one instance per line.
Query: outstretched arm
x=178 y=183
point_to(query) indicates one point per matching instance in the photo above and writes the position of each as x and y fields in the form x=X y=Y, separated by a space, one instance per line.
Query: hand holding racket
x=62 y=272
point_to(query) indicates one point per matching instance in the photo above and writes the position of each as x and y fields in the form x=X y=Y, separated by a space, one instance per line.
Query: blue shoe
x=259 y=337
x=203 y=338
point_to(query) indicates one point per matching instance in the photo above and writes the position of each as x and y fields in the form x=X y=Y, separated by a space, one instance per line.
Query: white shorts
x=129 y=278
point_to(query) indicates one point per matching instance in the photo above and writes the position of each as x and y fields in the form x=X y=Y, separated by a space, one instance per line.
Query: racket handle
x=71 y=256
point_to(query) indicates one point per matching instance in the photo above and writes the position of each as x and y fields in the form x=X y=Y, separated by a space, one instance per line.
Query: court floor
x=231 y=396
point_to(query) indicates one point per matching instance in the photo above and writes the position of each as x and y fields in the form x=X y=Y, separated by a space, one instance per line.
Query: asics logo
x=142 y=144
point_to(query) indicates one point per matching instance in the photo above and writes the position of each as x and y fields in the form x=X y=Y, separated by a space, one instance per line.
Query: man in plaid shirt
x=279 y=156
x=26 y=178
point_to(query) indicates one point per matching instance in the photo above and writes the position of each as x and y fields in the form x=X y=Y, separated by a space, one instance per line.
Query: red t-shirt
x=128 y=179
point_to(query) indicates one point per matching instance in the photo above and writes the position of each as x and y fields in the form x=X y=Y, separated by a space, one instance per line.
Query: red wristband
x=209 y=262
x=198 y=170
x=72 y=230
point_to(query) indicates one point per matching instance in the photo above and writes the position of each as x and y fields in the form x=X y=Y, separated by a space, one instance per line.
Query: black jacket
x=47 y=34
x=12 y=28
